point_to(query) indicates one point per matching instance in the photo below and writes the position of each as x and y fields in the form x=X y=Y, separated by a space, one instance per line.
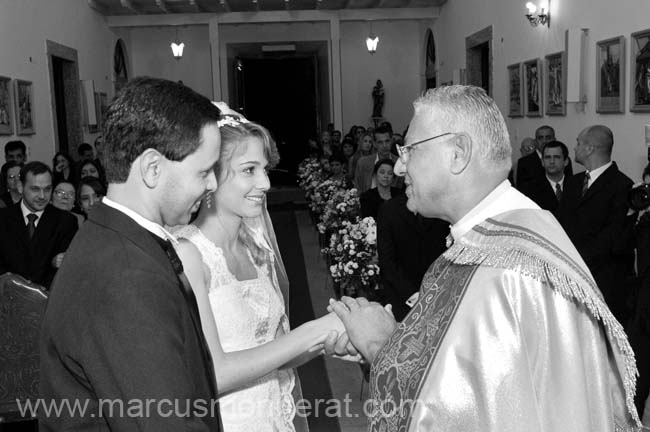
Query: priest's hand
x=368 y=325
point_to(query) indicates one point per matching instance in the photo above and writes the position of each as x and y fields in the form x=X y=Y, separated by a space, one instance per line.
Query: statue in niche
x=377 y=99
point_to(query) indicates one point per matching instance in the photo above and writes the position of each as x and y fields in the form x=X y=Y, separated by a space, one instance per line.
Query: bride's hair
x=233 y=137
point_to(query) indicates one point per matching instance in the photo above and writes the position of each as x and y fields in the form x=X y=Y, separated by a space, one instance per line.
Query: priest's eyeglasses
x=403 y=151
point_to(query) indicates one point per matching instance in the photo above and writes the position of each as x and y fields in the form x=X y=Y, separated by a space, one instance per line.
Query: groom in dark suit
x=122 y=333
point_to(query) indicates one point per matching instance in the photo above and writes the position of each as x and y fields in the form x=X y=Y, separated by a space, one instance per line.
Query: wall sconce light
x=371 y=41
x=544 y=15
x=177 y=48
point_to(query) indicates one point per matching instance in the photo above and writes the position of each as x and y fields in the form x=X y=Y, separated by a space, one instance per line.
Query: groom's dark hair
x=153 y=113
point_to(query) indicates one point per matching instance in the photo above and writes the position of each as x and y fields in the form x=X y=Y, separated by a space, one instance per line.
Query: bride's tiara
x=230 y=120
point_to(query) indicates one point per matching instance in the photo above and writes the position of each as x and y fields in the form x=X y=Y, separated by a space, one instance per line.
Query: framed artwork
x=515 y=96
x=610 y=75
x=6 y=117
x=640 y=80
x=24 y=103
x=533 y=88
x=555 y=74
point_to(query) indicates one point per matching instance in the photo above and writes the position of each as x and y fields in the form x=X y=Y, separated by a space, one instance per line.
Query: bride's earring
x=208 y=200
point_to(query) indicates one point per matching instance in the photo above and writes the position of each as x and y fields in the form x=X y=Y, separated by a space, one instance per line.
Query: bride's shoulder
x=192 y=259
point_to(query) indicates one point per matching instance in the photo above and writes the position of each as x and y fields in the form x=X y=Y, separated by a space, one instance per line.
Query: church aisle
x=345 y=378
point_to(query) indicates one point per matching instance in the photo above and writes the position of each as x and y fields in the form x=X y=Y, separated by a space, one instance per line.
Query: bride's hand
x=330 y=323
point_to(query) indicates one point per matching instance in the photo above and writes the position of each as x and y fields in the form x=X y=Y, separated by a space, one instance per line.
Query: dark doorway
x=58 y=81
x=479 y=59
x=281 y=94
x=65 y=96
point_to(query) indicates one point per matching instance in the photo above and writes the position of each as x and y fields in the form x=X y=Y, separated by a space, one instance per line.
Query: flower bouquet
x=343 y=205
x=322 y=194
x=310 y=175
x=353 y=251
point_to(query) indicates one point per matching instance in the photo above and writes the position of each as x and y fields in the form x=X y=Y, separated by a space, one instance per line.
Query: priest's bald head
x=457 y=151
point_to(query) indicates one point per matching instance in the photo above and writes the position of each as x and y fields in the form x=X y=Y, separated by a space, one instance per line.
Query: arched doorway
x=431 y=70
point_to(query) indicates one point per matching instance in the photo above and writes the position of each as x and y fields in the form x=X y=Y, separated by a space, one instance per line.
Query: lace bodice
x=247 y=313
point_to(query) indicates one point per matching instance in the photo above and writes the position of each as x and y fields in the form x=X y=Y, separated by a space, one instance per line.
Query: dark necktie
x=585 y=184
x=177 y=265
x=31 y=224
x=558 y=192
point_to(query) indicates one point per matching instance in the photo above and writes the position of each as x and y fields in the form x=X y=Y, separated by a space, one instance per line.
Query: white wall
x=151 y=55
x=397 y=63
x=25 y=25
x=514 y=40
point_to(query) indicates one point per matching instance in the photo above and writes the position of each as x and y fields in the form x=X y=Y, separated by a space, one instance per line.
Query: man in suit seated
x=407 y=244
x=547 y=191
x=530 y=167
x=35 y=234
x=363 y=176
x=593 y=212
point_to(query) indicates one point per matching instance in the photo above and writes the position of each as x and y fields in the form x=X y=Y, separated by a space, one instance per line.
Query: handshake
x=360 y=329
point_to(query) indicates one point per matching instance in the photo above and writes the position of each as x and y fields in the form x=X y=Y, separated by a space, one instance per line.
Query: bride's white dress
x=248 y=313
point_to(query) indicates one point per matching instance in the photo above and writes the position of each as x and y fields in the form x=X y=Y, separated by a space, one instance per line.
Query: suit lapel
x=18 y=223
x=601 y=182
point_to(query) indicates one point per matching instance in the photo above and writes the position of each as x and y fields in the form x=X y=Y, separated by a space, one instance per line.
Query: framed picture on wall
x=555 y=75
x=515 y=95
x=24 y=107
x=610 y=75
x=640 y=75
x=533 y=88
x=6 y=116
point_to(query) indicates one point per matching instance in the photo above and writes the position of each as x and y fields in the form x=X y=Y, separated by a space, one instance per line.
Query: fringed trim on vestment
x=521 y=260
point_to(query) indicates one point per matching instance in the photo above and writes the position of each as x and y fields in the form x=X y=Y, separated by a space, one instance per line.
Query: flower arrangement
x=353 y=251
x=342 y=206
x=310 y=175
x=322 y=194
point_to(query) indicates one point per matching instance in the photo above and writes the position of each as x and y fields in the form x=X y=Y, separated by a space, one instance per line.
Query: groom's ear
x=150 y=165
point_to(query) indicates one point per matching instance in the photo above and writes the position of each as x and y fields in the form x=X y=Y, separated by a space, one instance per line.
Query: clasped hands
x=368 y=325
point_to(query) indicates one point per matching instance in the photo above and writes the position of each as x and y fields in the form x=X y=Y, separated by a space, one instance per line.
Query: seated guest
x=547 y=191
x=89 y=168
x=90 y=192
x=372 y=199
x=11 y=175
x=407 y=244
x=63 y=198
x=35 y=234
x=62 y=165
x=363 y=176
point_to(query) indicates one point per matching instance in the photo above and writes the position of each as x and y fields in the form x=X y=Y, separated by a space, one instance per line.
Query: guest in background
x=547 y=191
x=11 y=175
x=63 y=198
x=593 y=212
x=407 y=244
x=363 y=175
x=89 y=168
x=365 y=147
x=372 y=199
x=86 y=152
x=348 y=149
x=313 y=149
x=336 y=138
x=16 y=151
x=62 y=165
x=337 y=169
x=35 y=234
x=90 y=192
x=325 y=143
x=530 y=167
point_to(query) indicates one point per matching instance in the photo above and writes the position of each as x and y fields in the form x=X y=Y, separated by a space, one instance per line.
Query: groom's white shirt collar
x=142 y=221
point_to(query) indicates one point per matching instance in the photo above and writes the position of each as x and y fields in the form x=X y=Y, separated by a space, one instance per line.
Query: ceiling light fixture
x=177 y=48
x=371 y=41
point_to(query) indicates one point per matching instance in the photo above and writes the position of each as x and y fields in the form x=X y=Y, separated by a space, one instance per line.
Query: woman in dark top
x=372 y=199
x=62 y=166
x=11 y=177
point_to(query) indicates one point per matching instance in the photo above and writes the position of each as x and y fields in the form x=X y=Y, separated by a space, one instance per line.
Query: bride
x=230 y=258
